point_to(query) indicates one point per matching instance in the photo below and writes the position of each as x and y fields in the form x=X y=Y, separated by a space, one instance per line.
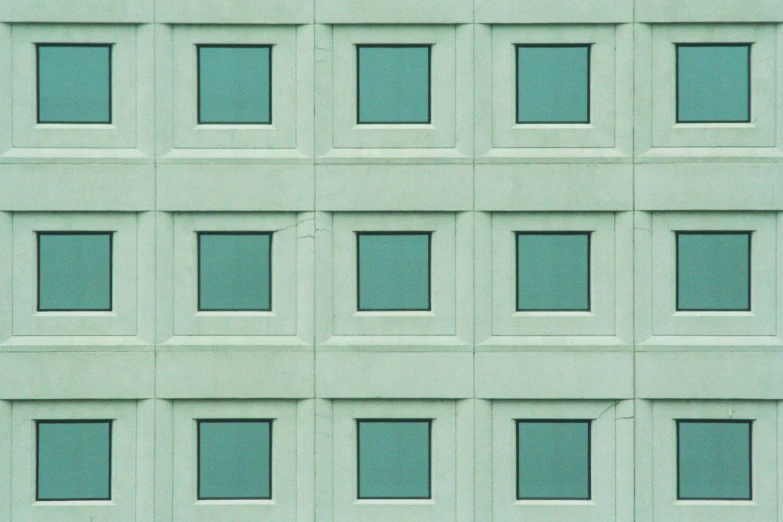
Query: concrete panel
x=86 y=11
x=397 y=12
x=235 y=187
x=731 y=187
x=548 y=375
x=553 y=11
x=394 y=375
x=234 y=12
x=234 y=375
x=77 y=375
x=674 y=11
x=699 y=375
x=554 y=187
x=390 y=188
x=28 y=187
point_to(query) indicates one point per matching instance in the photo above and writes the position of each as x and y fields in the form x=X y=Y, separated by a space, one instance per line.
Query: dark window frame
x=109 y=46
x=109 y=422
x=589 y=47
x=199 y=121
x=359 y=421
x=359 y=47
x=358 y=268
x=749 y=422
x=589 y=423
x=40 y=233
x=677 y=234
x=677 y=46
x=198 y=268
x=588 y=233
x=269 y=422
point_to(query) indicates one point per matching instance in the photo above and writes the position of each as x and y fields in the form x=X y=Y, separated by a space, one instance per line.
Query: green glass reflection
x=713 y=271
x=553 y=271
x=394 y=271
x=73 y=460
x=713 y=460
x=234 y=459
x=713 y=83
x=394 y=459
x=553 y=460
x=234 y=84
x=553 y=84
x=74 y=83
x=234 y=272
x=74 y=272
x=394 y=84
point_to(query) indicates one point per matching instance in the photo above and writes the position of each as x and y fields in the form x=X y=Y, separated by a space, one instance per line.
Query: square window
x=713 y=83
x=74 y=271
x=394 y=459
x=713 y=271
x=553 y=271
x=234 y=84
x=234 y=459
x=234 y=271
x=714 y=460
x=393 y=271
x=74 y=83
x=393 y=84
x=553 y=460
x=73 y=460
x=553 y=83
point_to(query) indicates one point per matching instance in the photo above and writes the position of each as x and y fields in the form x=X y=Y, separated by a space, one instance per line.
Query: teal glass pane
x=713 y=460
x=234 y=84
x=234 y=272
x=394 y=84
x=713 y=83
x=553 y=271
x=553 y=460
x=713 y=271
x=553 y=84
x=74 y=461
x=234 y=459
x=74 y=272
x=74 y=84
x=394 y=271
x=394 y=459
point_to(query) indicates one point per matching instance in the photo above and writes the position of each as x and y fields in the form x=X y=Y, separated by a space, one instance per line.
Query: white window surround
x=280 y=133
x=281 y=320
x=282 y=507
x=763 y=506
x=599 y=320
x=759 y=132
x=120 y=133
x=345 y=132
x=120 y=320
x=440 y=507
x=760 y=320
x=439 y=320
x=124 y=440
x=600 y=506
x=599 y=132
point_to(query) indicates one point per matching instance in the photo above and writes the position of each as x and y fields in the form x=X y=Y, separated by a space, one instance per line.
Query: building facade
x=420 y=260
